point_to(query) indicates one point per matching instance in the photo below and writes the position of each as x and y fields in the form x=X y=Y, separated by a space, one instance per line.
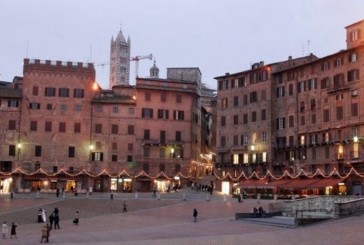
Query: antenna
x=308 y=47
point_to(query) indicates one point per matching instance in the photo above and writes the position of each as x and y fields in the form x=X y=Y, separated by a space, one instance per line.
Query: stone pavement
x=165 y=221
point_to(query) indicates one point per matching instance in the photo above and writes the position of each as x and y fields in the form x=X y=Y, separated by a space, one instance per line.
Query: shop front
x=5 y=185
x=121 y=184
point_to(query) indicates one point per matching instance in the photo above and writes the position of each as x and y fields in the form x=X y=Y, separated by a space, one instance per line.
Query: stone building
x=119 y=60
x=297 y=114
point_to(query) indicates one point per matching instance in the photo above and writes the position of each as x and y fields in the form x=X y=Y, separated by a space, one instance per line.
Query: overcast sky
x=217 y=36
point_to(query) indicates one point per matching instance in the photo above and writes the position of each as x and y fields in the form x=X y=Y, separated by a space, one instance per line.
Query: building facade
x=297 y=114
x=61 y=130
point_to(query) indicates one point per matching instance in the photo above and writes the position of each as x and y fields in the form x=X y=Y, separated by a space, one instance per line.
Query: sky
x=217 y=36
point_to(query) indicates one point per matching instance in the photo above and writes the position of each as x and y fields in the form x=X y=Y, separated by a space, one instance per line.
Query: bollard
x=136 y=195
x=159 y=196
x=258 y=198
x=275 y=197
x=224 y=197
x=184 y=196
x=111 y=196
x=64 y=195
x=87 y=195
x=38 y=194
x=207 y=197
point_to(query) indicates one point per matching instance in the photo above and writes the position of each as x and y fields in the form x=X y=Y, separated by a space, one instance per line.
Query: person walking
x=195 y=213
x=4 y=229
x=13 y=230
x=44 y=234
x=40 y=220
x=76 y=218
x=56 y=221
x=51 y=219
x=48 y=227
x=124 y=207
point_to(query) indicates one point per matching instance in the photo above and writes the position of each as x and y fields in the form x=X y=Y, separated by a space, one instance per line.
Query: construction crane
x=136 y=59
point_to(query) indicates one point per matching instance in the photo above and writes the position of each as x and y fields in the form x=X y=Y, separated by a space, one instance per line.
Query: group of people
x=258 y=212
x=53 y=223
x=5 y=230
x=200 y=187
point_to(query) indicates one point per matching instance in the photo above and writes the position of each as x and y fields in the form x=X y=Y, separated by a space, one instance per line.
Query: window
x=115 y=109
x=178 y=98
x=224 y=103
x=263 y=114
x=38 y=151
x=290 y=89
x=354 y=92
x=325 y=66
x=326 y=115
x=340 y=152
x=77 y=128
x=178 y=115
x=97 y=156
x=114 y=158
x=245 y=139
x=62 y=127
x=313 y=104
x=242 y=82
x=12 y=150
x=280 y=91
x=63 y=107
x=281 y=123
x=163 y=97
x=312 y=84
x=264 y=137
x=339 y=113
x=236 y=119
x=71 y=151
x=223 y=141
x=354 y=35
x=254 y=116
x=148 y=96
x=162 y=136
x=291 y=121
x=78 y=108
x=245 y=118
x=35 y=90
x=131 y=111
x=223 y=121
x=98 y=108
x=325 y=83
x=354 y=110
x=50 y=92
x=339 y=62
x=55 y=169
x=353 y=75
x=178 y=136
x=48 y=126
x=13 y=103
x=253 y=97
x=63 y=92
x=129 y=158
x=78 y=93
x=130 y=129
x=147 y=113
x=353 y=57
x=12 y=125
x=98 y=128
x=163 y=114
x=114 y=129
x=146 y=134
x=33 y=126
x=49 y=107
x=34 y=106
x=236 y=101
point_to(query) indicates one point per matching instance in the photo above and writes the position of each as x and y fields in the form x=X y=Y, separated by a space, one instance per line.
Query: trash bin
x=111 y=196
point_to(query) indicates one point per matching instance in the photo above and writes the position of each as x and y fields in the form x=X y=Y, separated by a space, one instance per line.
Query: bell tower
x=119 y=61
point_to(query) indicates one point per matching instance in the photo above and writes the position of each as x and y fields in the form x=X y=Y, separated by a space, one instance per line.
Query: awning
x=326 y=182
x=300 y=183
x=255 y=183
x=278 y=183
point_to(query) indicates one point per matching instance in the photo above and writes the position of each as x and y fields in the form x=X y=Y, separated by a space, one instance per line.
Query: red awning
x=300 y=183
x=278 y=183
x=255 y=183
x=326 y=182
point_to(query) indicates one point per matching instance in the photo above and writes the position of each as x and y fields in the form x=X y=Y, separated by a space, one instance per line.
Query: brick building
x=61 y=130
x=297 y=114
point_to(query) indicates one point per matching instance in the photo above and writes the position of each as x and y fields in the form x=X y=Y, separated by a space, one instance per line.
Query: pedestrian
x=4 y=229
x=195 y=213
x=56 y=221
x=44 y=217
x=51 y=219
x=76 y=218
x=13 y=230
x=48 y=231
x=124 y=207
x=44 y=234
x=40 y=220
x=57 y=192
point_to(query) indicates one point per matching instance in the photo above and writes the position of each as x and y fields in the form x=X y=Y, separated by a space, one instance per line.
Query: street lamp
x=356 y=139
